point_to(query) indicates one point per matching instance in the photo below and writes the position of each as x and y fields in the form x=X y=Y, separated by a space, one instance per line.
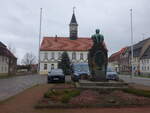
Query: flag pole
x=39 y=39
x=131 y=45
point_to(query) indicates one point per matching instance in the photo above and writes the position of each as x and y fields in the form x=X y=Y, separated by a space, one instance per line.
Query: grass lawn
x=144 y=76
x=138 y=92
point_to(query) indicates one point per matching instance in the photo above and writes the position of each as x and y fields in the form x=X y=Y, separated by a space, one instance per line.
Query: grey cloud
x=19 y=23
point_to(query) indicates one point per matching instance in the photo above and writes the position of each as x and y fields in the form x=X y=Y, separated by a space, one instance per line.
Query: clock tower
x=73 y=27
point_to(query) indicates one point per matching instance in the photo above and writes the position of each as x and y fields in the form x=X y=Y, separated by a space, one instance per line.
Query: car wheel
x=107 y=79
x=117 y=79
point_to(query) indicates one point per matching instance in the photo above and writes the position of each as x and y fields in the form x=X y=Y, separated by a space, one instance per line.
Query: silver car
x=111 y=74
x=56 y=75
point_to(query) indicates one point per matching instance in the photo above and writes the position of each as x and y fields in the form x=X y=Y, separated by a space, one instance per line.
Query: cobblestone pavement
x=11 y=86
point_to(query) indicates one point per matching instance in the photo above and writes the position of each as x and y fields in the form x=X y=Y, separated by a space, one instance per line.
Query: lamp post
x=39 y=39
x=131 y=45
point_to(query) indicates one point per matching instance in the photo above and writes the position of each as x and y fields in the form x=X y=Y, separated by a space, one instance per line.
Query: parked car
x=56 y=75
x=111 y=74
x=80 y=69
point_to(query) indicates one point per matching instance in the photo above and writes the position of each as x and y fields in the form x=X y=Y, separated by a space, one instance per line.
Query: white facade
x=145 y=66
x=3 y=65
x=49 y=59
x=114 y=65
x=136 y=64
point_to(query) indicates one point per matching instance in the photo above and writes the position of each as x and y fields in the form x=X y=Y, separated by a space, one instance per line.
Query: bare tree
x=28 y=60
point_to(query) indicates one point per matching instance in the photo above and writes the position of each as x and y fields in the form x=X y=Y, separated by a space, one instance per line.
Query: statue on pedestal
x=98 y=58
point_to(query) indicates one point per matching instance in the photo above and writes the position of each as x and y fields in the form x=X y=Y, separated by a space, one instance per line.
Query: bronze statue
x=98 y=58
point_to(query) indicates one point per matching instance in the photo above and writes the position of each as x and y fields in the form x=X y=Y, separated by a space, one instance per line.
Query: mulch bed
x=86 y=97
x=92 y=98
x=63 y=86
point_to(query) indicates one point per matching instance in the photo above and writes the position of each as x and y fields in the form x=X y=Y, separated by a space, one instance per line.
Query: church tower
x=73 y=27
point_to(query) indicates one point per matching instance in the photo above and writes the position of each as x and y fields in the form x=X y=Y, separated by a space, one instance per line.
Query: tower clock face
x=73 y=31
x=73 y=28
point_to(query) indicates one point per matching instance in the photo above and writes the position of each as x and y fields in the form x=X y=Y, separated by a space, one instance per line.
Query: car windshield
x=110 y=69
x=56 y=71
x=81 y=67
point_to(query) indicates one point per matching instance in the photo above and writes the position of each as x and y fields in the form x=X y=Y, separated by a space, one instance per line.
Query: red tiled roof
x=65 y=44
x=116 y=56
x=5 y=52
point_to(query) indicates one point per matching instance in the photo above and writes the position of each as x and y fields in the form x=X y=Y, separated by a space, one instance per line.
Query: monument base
x=99 y=76
x=86 y=84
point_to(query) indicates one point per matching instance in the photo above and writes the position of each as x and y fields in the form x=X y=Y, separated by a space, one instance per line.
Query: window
x=148 y=68
x=87 y=56
x=6 y=59
x=52 y=66
x=52 y=55
x=59 y=55
x=73 y=55
x=81 y=56
x=2 y=59
x=5 y=69
x=2 y=68
x=45 y=55
x=45 y=66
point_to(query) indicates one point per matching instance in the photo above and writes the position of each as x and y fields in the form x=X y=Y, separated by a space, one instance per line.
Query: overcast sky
x=19 y=21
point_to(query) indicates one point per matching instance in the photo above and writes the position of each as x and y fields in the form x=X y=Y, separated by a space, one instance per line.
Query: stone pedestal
x=100 y=75
x=86 y=84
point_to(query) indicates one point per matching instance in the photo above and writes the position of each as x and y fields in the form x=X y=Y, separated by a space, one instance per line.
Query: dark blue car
x=56 y=75
x=79 y=69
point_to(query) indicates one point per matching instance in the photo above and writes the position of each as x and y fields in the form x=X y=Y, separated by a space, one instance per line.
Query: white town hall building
x=52 y=47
